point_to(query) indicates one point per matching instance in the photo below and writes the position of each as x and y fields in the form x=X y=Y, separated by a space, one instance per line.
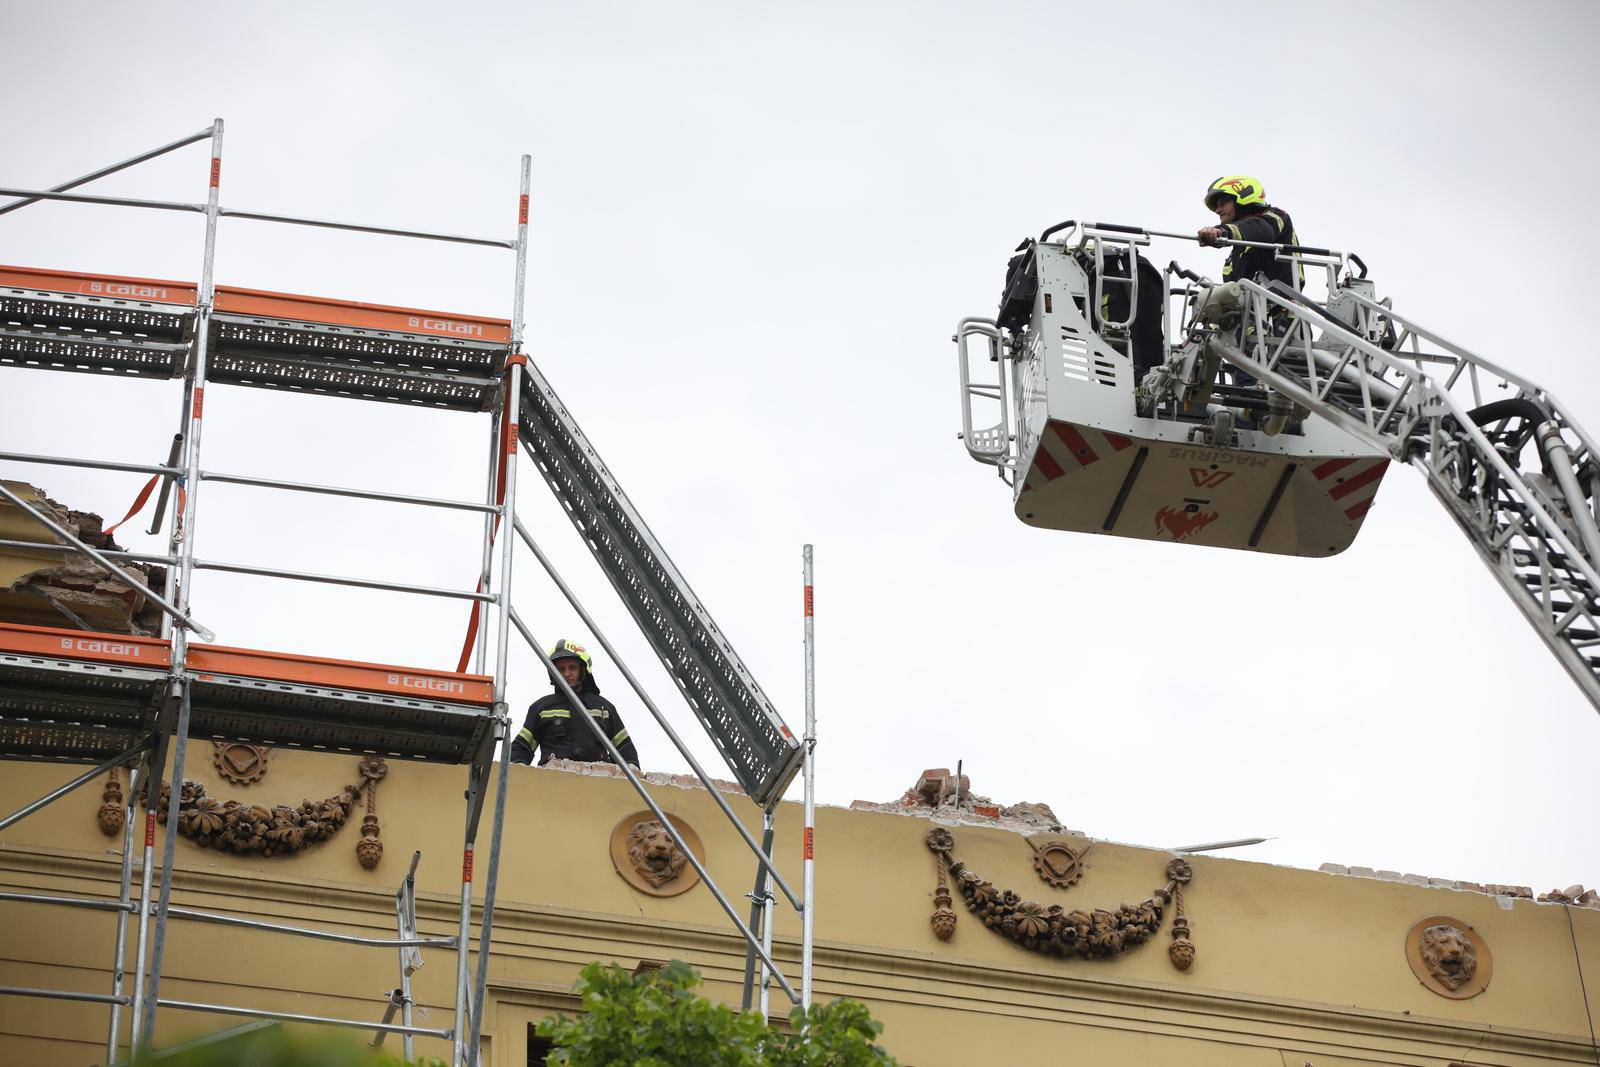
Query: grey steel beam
x=86 y=776
x=332 y=579
x=93 y=464
x=35 y=195
x=354 y=494
x=311 y=932
x=386 y=231
x=132 y=161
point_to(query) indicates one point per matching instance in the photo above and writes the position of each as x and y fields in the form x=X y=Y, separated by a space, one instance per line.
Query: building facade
x=1287 y=966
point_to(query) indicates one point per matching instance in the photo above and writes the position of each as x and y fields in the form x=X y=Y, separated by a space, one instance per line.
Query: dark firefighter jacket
x=556 y=730
x=1270 y=224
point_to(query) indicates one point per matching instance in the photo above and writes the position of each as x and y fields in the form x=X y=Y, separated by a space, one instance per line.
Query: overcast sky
x=754 y=227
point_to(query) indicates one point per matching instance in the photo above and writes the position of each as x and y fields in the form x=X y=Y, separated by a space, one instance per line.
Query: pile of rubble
x=1573 y=894
x=45 y=588
x=937 y=790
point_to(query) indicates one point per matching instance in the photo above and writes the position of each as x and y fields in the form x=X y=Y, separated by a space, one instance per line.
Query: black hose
x=1045 y=236
x=1114 y=228
x=1531 y=410
x=1532 y=413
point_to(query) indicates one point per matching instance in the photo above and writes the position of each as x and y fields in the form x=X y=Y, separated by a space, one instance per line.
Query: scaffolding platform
x=107 y=324
x=70 y=696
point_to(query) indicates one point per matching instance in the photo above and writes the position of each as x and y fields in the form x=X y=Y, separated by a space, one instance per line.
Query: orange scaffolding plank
x=342 y=674
x=208 y=660
x=71 y=281
x=85 y=645
x=264 y=304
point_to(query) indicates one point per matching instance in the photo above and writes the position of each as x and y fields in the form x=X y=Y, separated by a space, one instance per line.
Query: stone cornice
x=901 y=976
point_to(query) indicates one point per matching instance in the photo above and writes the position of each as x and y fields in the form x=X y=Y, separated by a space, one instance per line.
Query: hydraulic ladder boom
x=753 y=739
x=1463 y=422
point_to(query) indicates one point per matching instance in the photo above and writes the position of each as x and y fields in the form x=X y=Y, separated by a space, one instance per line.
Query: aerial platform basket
x=72 y=696
x=1083 y=323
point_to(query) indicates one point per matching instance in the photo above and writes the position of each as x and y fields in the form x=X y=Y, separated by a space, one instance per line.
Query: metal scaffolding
x=67 y=696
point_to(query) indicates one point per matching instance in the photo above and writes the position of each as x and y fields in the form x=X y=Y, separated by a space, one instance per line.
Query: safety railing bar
x=62 y=994
x=333 y=490
x=644 y=794
x=293 y=1017
x=331 y=579
x=114 y=168
x=1459 y=351
x=68 y=902
x=61 y=791
x=50 y=546
x=385 y=231
x=196 y=915
x=35 y=195
x=225 y=1034
x=683 y=749
x=100 y=558
x=92 y=464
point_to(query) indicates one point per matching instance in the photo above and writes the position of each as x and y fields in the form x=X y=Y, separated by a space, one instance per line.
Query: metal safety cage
x=64 y=701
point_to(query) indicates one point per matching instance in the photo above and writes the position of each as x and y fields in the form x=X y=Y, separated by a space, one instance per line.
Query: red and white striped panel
x=1065 y=447
x=1351 y=483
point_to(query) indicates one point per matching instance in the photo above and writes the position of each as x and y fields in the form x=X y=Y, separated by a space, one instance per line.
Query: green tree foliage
x=656 y=1020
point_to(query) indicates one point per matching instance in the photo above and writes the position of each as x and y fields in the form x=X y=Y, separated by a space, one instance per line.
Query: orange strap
x=499 y=498
x=138 y=504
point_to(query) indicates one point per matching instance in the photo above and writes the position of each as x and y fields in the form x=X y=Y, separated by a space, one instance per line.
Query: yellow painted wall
x=1293 y=965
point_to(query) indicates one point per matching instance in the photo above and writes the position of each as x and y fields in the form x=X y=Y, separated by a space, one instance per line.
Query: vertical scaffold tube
x=124 y=895
x=463 y=943
x=808 y=875
x=136 y=1031
x=765 y=903
x=188 y=496
x=508 y=514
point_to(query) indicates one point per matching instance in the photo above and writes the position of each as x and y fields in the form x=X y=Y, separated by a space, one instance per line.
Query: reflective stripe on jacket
x=1270 y=225
x=555 y=730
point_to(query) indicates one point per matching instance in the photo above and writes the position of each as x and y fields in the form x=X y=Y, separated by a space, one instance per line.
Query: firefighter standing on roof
x=1241 y=207
x=555 y=728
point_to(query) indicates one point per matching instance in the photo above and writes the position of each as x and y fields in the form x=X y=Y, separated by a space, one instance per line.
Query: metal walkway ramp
x=760 y=750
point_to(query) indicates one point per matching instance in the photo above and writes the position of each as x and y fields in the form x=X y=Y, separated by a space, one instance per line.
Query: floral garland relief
x=258 y=829
x=1052 y=930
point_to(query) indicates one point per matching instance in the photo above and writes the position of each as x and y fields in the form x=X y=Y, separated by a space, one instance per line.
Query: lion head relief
x=653 y=853
x=1449 y=955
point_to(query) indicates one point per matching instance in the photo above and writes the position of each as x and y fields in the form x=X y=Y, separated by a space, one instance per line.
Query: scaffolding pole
x=508 y=461
x=809 y=770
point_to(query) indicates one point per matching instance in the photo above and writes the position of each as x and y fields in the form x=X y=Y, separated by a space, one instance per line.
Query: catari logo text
x=142 y=292
x=435 y=685
x=461 y=329
x=84 y=644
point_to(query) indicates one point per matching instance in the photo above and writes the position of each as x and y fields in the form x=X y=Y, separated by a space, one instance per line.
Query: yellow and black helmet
x=1244 y=190
x=564 y=649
